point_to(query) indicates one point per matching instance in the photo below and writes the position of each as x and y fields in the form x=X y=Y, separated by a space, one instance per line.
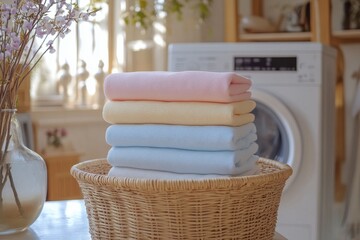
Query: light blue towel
x=123 y=172
x=184 y=161
x=207 y=138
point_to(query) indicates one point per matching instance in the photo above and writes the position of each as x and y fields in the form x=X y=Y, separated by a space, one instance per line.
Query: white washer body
x=300 y=89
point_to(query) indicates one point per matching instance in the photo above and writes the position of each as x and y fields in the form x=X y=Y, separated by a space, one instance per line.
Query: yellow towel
x=181 y=113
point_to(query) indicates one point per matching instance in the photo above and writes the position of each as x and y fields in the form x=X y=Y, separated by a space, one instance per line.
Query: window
x=103 y=39
x=78 y=58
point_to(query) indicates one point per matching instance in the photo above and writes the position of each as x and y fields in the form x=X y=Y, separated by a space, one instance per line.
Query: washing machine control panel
x=280 y=68
x=268 y=64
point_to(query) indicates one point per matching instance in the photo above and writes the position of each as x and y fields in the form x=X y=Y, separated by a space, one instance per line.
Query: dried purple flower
x=27 y=31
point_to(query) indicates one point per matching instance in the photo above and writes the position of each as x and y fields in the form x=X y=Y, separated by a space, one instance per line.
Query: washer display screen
x=265 y=64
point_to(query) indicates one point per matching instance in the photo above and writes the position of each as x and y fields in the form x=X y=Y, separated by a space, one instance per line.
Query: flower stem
x=4 y=176
x=2 y=184
x=12 y=184
x=1 y=206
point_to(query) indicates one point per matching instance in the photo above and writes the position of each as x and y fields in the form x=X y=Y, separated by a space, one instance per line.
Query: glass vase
x=23 y=178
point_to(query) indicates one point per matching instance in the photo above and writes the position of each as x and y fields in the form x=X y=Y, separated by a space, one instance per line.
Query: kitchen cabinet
x=61 y=185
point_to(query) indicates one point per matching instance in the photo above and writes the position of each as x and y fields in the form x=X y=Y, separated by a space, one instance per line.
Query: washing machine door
x=278 y=132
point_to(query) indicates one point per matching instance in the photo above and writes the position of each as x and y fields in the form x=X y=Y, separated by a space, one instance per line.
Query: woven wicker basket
x=234 y=208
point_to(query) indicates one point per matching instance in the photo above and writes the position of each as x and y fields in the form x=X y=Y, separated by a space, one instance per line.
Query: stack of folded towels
x=175 y=125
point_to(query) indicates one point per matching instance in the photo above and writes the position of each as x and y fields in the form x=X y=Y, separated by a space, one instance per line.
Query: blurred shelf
x=347 y=35
x=295 y=36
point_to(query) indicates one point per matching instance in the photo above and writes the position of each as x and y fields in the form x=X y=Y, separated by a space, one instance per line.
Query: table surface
x=63 y=220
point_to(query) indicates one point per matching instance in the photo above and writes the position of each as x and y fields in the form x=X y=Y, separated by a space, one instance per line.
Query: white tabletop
x=58 y=220
x=63 y=220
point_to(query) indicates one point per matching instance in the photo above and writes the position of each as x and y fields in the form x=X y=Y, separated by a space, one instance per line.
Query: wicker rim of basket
x=280 y=172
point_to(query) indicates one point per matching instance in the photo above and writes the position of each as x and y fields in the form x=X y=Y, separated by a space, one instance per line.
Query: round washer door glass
x=272 y=139
x=278 y=132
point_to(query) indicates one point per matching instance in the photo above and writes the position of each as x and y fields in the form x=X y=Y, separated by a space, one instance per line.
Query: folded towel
x=177 y=86
x=208 y=138
x=183 y=161
x=123 y=172
x=181 y=113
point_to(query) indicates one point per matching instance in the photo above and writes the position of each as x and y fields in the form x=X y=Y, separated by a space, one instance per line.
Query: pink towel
x=177 y=86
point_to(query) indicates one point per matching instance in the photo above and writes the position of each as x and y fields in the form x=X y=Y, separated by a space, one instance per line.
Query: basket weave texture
x=242 y=207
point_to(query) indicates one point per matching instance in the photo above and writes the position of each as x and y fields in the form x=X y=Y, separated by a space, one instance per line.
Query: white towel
x=207 y=138
x=123 y=172
x=183 y=161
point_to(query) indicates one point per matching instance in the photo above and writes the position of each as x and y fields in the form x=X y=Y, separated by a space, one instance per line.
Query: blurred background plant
x=142 y=13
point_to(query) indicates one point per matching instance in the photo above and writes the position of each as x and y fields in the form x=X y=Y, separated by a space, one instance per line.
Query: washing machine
x=294 y=87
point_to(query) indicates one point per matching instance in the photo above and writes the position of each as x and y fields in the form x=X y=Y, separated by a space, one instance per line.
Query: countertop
x=63 y=220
